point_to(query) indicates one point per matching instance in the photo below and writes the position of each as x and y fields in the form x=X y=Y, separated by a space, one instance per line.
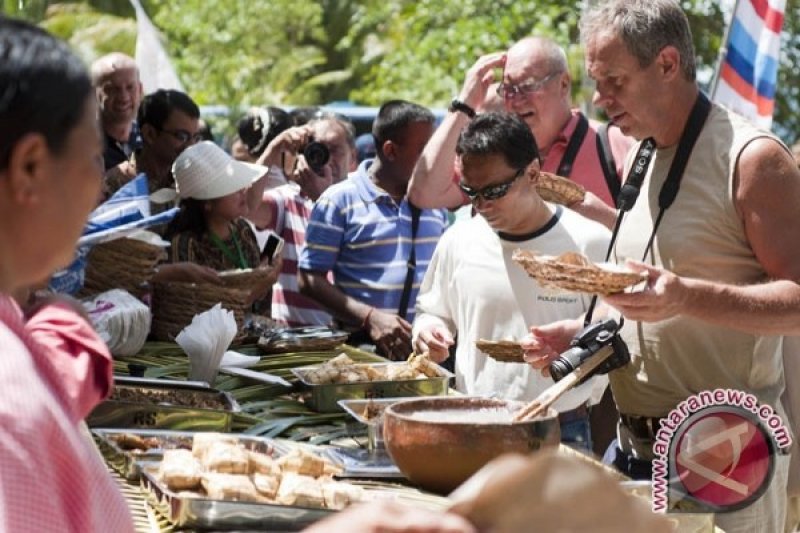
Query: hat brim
x=237 y=176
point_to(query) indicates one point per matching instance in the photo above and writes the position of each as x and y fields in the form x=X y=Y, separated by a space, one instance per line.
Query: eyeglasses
x=491 y=192
x=508 y=90
x=183 y=136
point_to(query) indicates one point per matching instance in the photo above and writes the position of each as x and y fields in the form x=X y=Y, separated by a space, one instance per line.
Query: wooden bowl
x=437 y=443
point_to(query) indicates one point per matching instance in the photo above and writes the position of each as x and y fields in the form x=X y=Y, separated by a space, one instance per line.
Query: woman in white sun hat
x=210 y=228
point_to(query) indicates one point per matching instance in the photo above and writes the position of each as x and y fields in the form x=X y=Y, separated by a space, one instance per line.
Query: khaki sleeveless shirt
x=700 y=236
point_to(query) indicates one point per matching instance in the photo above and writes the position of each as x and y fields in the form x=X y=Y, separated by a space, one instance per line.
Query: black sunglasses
x=491 y=192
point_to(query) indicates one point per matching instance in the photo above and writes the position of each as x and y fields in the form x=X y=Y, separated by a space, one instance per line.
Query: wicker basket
x=573 y=272
x=553 y=188
x=245 y=279
x=176 y=303
x=504 y=351
x=121 y=264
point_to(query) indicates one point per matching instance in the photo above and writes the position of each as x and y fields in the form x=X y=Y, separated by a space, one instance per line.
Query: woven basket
x=245 y=279
x=176 y=303
x=553 y=188
x=573 y=272
x=121 y=264
x=504 y=351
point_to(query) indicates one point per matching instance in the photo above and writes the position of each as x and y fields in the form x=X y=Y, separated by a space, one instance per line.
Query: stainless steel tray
x=129 y=462
x=324 y=398
x=170 y=405
x=189 y=511
x=302 y=339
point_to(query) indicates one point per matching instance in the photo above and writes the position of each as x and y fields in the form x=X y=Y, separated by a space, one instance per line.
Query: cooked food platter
x=341 y=378
x=227 y=481
x=165 y=404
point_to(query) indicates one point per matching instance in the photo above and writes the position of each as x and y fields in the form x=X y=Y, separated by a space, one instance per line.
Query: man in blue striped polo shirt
x=363 y=231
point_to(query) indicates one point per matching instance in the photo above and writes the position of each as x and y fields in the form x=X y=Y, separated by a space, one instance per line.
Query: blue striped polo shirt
x=358 y=232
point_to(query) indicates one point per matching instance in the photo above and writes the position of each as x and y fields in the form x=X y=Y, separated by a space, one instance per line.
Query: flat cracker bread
x=559 y=190
x=573 y=272
x=504 y=351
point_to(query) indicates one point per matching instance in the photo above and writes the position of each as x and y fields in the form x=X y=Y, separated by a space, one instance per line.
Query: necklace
x=239 y=262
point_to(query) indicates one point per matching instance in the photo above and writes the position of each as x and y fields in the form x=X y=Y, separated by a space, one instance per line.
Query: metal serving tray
x=129 y=462
x=186 y=510
x=324 y=398
x=174 y=405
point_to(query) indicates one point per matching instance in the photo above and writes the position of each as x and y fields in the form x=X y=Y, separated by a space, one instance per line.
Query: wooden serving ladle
x=543 y=402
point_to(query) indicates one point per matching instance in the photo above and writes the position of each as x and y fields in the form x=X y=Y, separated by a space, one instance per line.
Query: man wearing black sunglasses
x=473 y=289
x=535 y=86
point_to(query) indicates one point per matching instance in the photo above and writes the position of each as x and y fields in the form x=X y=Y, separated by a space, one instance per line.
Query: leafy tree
x=313 y=51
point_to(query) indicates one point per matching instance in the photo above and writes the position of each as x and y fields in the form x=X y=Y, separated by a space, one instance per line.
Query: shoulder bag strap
x=402 y=310
x=574 y=145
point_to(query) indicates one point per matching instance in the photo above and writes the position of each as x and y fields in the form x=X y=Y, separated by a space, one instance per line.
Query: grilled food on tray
x=342 y=369
x=220 y=468
x=574 y=272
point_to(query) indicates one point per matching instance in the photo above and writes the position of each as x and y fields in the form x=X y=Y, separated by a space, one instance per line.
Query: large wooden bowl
x=438 y=455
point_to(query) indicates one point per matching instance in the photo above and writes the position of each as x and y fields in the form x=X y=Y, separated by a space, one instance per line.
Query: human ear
x=28 y=169
x=389 y=150
x=669 y=62
x=148 y=133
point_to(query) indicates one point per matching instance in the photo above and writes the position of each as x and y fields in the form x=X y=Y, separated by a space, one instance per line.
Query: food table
x=267 y=410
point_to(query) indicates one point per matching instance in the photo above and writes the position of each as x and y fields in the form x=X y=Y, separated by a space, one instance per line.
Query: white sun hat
x=205 y=171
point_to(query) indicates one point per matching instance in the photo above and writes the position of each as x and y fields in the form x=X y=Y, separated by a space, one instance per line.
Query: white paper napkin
x=205 y=340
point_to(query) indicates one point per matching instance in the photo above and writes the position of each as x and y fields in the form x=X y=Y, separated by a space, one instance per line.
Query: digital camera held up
x=317 y=155
x=589 y=341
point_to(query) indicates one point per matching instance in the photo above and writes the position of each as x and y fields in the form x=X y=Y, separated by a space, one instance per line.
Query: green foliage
x=299 y=52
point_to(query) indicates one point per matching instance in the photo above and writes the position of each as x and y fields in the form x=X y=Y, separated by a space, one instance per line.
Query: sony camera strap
x=669 y=191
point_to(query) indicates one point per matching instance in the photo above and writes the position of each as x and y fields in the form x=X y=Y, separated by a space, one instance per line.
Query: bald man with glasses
x=536 y=86
x=474 y=290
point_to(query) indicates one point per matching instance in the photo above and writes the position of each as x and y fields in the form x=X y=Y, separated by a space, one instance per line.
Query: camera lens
x=567 y=362
x=316 y=154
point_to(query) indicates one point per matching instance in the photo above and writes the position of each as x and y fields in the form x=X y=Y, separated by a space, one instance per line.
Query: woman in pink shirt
x=53 y=369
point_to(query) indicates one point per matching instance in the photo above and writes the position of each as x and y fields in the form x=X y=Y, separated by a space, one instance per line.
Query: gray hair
x=645 y=26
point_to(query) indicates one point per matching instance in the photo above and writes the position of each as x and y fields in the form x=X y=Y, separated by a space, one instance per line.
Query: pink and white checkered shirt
x=51 y=477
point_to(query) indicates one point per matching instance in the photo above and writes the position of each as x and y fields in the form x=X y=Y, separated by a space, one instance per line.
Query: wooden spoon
x=543 y=402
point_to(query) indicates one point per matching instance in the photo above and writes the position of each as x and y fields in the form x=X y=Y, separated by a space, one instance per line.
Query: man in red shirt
x=536 y=86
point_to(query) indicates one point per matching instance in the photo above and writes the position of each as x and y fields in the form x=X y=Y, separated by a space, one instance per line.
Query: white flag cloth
x=155 y=68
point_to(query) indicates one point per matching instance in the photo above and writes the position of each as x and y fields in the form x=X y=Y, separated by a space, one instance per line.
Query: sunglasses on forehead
x=491 y=192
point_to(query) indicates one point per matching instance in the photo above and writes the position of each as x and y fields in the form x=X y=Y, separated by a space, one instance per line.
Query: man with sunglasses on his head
x=472 y=287
x=536 y=86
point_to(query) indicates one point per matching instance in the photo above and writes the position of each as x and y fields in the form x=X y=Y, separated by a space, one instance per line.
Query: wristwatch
x=458 y=105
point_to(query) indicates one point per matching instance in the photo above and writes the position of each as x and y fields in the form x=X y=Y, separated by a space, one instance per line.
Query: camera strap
x=402 y=310
x=669 y=191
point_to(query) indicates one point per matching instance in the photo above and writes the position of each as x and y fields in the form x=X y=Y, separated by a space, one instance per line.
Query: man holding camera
x=376 y=244
x=314 y=156
x=729 y=237
x=474 y=289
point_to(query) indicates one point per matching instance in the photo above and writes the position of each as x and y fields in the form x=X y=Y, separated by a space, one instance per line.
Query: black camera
x=317 y=155
x=590 y=340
